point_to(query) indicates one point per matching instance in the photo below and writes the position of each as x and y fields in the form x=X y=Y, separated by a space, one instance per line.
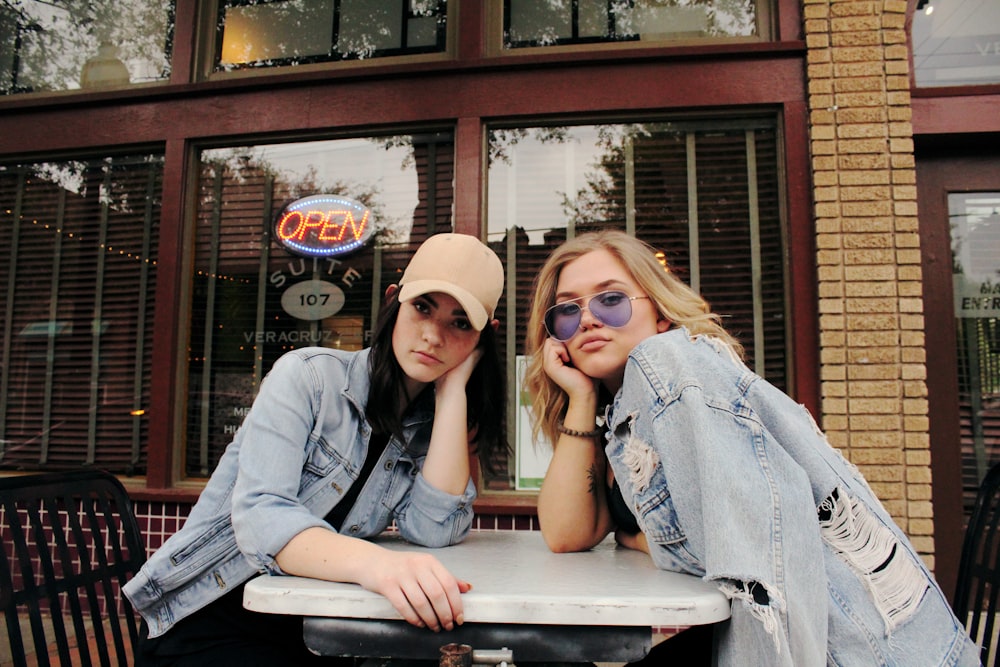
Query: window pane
x=975 y=243
x=78 y=280
x=531 y=23
x=284 y=30
x=49 y=46
x=289 y=32
x=956 y=43
x=241 y=318
x=707 y=195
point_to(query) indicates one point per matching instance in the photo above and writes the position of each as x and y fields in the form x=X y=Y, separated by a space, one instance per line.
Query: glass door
x=974 y=221
x=958 y=190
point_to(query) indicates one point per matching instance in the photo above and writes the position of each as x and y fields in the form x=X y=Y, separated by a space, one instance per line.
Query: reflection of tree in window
x=44 y=46
x=555 y=22
x=686 y=190
x=292 y=32
x=980 y=247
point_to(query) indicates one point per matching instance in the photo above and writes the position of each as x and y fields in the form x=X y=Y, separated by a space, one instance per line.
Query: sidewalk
x=7 y=661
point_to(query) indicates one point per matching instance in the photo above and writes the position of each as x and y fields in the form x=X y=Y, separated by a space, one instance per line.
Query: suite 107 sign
x=320 y=226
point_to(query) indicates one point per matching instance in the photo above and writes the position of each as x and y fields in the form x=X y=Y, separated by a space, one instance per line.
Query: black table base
x=364 y=638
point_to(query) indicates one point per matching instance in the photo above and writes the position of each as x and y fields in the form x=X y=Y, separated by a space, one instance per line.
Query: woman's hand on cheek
x=459 y=376
x=420 y=588
x=557 y=365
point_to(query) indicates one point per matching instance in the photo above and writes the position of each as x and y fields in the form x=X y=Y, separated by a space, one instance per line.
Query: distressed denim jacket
x=733 y=481
x=299 y=449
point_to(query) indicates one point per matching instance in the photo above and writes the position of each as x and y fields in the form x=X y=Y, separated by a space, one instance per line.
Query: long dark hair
x=486 y=390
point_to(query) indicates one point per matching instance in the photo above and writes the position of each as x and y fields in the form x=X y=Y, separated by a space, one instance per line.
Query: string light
x=106 y=248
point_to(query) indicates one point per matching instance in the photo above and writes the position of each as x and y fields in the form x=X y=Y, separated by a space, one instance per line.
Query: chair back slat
x=978 y=586
x=68 y=543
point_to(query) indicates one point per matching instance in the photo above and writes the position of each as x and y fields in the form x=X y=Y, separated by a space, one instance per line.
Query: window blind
x=76 y=329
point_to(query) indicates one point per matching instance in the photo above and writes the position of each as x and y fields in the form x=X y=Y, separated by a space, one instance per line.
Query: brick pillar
x=873 y=373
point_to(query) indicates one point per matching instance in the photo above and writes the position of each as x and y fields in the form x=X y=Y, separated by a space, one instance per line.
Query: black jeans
x=691 y=648
x=224 y=634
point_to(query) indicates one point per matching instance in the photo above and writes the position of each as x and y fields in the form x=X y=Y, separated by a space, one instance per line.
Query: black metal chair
x=975 y=600
x=68 y=542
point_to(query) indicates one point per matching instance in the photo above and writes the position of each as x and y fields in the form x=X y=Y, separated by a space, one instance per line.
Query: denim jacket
x=301 y=446
x=733 y=481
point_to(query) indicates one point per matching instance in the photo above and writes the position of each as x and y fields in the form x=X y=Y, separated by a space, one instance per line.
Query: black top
x=620 y=512
x=376 y=445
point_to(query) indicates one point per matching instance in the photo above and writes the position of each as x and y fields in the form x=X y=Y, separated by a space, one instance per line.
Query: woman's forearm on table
x=321 y=553
x=572 y=507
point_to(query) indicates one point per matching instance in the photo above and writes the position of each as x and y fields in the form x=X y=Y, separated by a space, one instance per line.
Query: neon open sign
x=324 y=226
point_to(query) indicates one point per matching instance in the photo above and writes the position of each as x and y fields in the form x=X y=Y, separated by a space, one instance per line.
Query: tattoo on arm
x=592 y=479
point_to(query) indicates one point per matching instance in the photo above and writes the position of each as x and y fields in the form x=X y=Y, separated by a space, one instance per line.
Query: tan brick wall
x=873 y=373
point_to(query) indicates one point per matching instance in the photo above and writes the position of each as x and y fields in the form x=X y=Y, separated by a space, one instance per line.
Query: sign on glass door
x=975 y=241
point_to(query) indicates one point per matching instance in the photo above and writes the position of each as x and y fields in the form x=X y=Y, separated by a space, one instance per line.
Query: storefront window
x=273 y=33
x=975 y=243
x=71 y=44
x=531 y=23
x=956 y=43
x=253 y=299
x=706 y=195
x=78 y=277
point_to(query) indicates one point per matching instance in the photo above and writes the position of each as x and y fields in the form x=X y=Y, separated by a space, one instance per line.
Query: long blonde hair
x=674 y=300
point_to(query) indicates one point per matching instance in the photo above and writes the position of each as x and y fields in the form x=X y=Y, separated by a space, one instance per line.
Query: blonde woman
x=664 y=437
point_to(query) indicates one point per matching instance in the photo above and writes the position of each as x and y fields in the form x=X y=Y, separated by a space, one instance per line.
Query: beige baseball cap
x=461 y=266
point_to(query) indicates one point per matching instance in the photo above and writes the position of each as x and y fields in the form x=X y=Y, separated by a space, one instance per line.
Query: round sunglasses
x=612 y=308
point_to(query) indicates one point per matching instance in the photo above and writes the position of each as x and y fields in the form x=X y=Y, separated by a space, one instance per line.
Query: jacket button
x=388 y=465
x=355 y=528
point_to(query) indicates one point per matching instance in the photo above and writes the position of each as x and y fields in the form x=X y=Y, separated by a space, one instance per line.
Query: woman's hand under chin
x=558 y=366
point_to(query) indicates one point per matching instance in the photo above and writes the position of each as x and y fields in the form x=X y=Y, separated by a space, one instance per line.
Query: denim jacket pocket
x=668 y=543
x=657 y=516
x=321 y=458
x=212 y=546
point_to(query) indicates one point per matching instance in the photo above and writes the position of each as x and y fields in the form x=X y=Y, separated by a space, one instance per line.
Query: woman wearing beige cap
x=337 y=446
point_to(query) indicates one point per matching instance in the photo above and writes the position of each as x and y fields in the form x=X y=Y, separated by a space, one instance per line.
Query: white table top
x=516 y=579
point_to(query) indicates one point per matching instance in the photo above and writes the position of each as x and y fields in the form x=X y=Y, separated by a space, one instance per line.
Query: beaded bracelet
x=578 y=434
